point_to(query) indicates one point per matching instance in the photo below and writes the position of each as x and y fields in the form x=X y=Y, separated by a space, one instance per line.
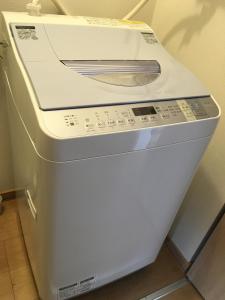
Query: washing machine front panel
x=113 y=213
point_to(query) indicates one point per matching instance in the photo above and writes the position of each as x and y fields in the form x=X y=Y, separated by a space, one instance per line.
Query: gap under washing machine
x=107 y=131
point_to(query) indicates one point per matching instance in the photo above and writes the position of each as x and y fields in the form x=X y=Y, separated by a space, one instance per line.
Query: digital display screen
x=143 y=111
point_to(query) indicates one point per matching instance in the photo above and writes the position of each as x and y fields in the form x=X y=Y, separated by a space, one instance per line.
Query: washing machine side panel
x=32 y=177
x=111 y=214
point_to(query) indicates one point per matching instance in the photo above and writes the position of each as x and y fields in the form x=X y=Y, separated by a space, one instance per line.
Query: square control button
x=111 y=123
x=101 y=124
x=121 y=122
x=89 y=126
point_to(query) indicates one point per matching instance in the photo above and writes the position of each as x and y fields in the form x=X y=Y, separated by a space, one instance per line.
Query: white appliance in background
x=107 y=132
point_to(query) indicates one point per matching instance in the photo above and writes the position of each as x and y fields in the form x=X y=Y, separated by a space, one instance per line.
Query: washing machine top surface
x=89 y=87
x=76 y=65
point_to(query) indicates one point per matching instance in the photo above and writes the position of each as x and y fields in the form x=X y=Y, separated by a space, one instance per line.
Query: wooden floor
x=16 y=281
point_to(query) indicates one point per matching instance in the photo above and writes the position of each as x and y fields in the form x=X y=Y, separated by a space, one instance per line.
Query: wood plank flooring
x=16 y=280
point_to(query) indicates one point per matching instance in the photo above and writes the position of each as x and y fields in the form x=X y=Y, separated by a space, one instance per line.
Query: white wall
x=193 y=31
x=108 y=8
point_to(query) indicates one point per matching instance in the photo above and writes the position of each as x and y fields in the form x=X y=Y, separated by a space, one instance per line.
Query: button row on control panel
x=110 y=123
x=121 y=122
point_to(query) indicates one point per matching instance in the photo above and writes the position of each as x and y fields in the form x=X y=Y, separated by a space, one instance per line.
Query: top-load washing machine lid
x=75 y=65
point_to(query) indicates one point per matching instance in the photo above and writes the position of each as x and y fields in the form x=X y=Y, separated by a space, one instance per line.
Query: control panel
x=118 y=118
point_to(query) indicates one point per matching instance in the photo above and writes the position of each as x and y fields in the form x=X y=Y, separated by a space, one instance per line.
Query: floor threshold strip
x=169 y=289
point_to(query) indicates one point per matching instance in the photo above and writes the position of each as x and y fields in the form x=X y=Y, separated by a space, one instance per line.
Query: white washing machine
x=107 y=131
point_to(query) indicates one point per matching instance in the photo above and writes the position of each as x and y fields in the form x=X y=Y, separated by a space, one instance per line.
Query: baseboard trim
x=8 y=194
x=183 y=263
x=11 y=194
